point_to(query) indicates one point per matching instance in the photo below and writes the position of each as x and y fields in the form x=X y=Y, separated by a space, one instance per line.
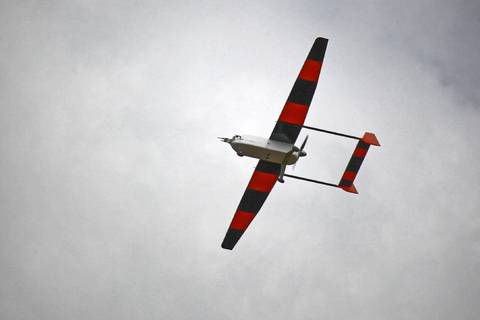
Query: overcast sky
x=115 y=194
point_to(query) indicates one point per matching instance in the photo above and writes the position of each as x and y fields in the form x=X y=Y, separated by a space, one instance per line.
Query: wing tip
x=231 y=238
x=321 y=39
x=318 y=49
x=226 y=247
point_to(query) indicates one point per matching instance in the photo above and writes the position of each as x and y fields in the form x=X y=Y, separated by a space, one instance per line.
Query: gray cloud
x=115 y=194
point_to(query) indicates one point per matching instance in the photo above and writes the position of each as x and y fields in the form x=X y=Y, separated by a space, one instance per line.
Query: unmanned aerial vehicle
x=278 y=151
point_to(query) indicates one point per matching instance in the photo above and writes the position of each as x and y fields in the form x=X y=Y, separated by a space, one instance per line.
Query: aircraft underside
x=278 y=151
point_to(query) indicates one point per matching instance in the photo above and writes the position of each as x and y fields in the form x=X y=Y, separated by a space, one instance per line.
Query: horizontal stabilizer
x=346 y=183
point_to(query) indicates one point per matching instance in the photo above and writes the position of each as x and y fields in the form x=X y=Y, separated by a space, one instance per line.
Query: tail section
x=346 y=183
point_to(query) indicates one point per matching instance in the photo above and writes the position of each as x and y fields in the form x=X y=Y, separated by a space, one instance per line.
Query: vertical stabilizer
x=346 y=182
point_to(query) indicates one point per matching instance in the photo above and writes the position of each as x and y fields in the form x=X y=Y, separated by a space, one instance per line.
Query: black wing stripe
x=302 y=92
x=268 y=167
x=318 y=49
x=231 y=238
x=252 y=200
x=285 y=132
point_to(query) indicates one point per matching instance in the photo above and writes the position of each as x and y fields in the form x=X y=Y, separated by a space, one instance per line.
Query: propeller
x=301 y=153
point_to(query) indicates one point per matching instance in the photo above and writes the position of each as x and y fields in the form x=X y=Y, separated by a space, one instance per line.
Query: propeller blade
x=303 y=144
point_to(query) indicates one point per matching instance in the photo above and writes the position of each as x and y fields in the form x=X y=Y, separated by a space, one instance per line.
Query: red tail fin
x=346 y=183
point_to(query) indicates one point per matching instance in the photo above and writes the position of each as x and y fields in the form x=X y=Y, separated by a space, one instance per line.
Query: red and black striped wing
x=263 y=179
x=295 y=110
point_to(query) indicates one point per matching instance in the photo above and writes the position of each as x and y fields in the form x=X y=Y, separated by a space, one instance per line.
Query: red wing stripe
x=262 y=181
x=310 y=70
x=241 y=220
x=360 y=152
x=293 y=113
x=349 y=175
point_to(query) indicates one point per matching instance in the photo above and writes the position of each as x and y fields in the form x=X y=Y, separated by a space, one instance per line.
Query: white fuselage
x=264 y=149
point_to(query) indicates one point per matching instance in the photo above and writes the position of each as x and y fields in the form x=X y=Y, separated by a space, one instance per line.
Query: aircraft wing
x=295 y=110
x=263 y=179
x=286 y=129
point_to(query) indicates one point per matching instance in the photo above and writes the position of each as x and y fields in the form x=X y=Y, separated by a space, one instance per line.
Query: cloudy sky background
x=115 y=194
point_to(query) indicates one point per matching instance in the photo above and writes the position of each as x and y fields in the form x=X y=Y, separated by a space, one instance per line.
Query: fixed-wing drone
x=278 y=151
